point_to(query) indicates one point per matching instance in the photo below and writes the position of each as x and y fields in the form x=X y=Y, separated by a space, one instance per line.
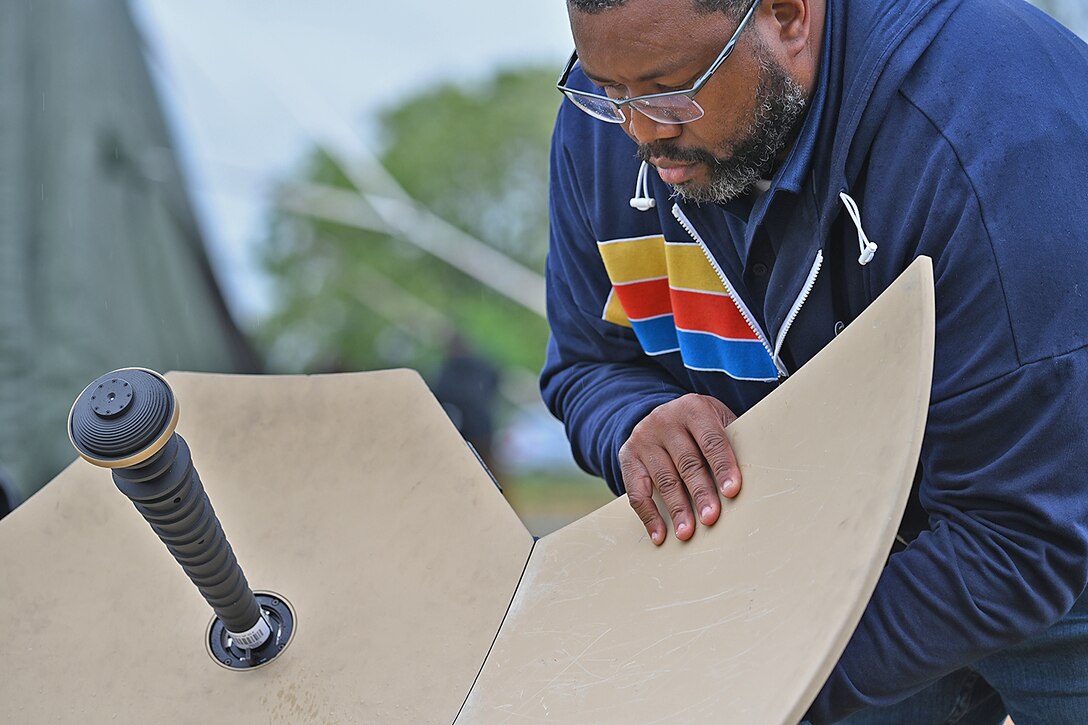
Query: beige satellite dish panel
x=418 y=595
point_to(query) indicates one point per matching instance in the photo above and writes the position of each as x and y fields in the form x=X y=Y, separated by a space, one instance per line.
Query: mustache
x=672 y=152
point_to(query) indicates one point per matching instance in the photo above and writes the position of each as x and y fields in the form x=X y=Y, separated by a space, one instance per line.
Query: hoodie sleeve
x=1003 y=459
x=1005 y=555
x=596 y=379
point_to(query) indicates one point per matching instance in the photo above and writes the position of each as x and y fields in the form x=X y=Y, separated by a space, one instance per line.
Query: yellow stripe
x=690 y=269
x=613 y=310
x=633 y=260
x=629 y=260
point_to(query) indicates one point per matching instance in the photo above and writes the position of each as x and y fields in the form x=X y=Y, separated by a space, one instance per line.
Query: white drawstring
x=868 y=249
x=642 y=199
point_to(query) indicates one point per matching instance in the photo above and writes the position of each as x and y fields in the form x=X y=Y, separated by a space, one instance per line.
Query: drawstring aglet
x=642 y=199
x=867 y=253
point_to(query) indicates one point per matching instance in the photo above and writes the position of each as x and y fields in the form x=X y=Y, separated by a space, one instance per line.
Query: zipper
x=810 y=282
x=730 y=290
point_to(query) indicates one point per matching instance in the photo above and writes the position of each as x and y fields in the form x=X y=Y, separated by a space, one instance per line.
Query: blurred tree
x=349 y=298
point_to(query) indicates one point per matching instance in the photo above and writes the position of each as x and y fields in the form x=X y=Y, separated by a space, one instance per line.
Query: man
x=785 y=134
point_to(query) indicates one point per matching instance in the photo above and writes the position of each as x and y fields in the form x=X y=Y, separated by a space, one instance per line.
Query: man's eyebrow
x=645 y=77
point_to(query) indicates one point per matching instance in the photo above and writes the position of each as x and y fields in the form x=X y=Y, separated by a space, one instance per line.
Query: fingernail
x=728 y=487
x=706 y=513
x=681 y=528
x=656 y=537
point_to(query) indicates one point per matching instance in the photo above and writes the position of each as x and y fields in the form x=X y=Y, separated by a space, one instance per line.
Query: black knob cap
x=123 y=418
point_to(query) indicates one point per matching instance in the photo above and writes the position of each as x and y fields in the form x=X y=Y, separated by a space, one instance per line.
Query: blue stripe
x=657 y=335
x=743 y=359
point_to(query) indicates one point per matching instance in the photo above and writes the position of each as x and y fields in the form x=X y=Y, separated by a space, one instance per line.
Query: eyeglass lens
x=670 y=109
x=599 y=108
x=667 y=109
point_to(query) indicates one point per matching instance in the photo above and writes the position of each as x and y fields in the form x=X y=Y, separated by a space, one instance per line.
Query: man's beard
x=780 y=106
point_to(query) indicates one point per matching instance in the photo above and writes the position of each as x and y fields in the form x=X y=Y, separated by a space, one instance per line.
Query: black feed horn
x=125 y=421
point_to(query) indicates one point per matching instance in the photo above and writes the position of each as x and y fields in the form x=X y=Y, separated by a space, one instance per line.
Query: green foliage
x=477 y=156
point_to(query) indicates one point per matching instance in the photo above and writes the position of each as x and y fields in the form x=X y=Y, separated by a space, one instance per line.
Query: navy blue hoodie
x=960 y=129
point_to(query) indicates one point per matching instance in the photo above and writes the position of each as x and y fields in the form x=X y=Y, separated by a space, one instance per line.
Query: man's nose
x=645 y=130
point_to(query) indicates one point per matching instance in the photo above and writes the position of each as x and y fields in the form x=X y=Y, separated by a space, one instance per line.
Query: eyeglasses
x=672 y=107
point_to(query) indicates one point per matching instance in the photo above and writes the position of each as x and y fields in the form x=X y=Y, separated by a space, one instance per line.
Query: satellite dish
x=416 y=594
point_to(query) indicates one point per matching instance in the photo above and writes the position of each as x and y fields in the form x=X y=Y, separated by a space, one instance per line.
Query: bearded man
x=788 y=159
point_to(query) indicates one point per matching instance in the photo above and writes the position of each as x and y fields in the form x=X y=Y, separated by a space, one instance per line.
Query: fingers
x=698 y=483
x=680 y=449
x=718 y=454
x=646 y=466
x=674 y=492
x=640 y=494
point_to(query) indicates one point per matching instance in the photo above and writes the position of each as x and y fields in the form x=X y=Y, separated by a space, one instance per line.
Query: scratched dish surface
x=743 y=623
x=351 y=495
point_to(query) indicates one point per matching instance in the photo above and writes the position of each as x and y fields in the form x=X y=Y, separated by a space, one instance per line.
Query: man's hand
x=680 y=449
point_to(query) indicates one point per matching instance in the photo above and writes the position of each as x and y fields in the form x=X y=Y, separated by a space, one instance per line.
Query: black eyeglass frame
x=690 y=92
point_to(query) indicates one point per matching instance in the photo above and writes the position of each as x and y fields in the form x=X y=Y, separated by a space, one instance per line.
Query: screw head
x=112 y=398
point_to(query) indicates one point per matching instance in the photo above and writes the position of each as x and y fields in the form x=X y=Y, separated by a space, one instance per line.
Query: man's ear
x=792 y=24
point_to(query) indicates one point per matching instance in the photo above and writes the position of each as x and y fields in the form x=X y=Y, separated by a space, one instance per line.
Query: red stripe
x=645 y=299
x=710 y=313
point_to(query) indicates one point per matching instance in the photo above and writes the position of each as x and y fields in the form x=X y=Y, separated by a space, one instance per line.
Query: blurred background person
x=467 y=385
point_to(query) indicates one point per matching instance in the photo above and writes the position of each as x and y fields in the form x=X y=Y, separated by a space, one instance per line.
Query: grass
x=548 y=501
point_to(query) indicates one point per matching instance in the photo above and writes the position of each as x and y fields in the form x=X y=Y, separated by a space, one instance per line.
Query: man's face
x=752 y=105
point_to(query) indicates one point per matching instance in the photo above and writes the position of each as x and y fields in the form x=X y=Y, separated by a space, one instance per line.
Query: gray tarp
x=101 y=261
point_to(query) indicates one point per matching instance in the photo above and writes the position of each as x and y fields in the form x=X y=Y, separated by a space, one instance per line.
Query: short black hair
x=729 y=7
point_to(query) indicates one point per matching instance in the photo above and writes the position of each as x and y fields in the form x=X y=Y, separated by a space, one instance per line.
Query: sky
x=248 y=86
